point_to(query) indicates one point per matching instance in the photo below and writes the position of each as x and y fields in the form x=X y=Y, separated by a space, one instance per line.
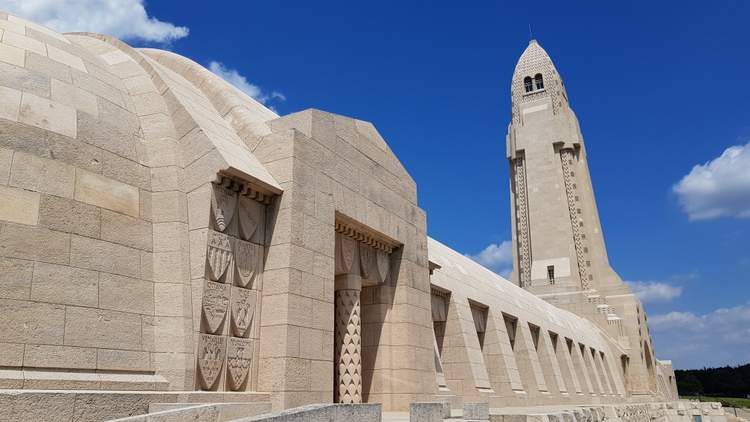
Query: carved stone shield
x=346 y=250
x=219 y=255
x=211 y=352
x=246 y=256
x=223 y=206
x=215 y=304
x=243 y=311
x=239 y=358
x=248 y=220
x=383 y=264
x=366 y=260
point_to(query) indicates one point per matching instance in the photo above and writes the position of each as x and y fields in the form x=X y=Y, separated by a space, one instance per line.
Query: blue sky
x=659 y=87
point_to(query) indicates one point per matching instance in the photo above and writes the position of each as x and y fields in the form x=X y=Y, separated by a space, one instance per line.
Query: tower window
x=539 y=81
x=551 y=274
x=527 y=84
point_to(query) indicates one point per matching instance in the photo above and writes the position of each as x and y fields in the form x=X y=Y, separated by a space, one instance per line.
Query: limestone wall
x=77 y=228
x=108 y=167
x=333 y=170
x=528 y=352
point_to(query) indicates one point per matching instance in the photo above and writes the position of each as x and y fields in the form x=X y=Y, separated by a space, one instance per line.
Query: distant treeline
x=719 y=382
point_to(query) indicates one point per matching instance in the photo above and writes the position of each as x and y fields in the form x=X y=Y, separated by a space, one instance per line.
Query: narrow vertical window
x=551 y=274
x=553 y=339
x=534 y=335
x=539 y=81
x=528 y=86
x=510 y=326
x=479 y=314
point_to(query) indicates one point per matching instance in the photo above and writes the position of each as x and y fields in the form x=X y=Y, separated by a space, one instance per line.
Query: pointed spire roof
x=534 y=60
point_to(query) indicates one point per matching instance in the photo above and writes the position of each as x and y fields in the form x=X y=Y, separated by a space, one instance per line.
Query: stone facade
x=161 y=233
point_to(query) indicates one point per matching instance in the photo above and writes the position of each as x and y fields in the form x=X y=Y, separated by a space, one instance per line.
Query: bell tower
x=558 y=247
x=557 y=238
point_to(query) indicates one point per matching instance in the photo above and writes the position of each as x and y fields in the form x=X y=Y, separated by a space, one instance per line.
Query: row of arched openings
x=533 y=84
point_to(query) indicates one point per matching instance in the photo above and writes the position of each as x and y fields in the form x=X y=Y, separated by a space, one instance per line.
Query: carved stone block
x=223 y=206
x=247 y=218
x=239 y=358
x=346 y=251
x=219 y=256
x=366 y=260
x=215 y=305
x=247 y=258
x=348 y=347
x=382 y=264
x=373 y=264
x=211 y=352
x=243 y=311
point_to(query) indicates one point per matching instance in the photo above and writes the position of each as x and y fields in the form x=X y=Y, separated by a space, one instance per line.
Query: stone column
x=348 y=339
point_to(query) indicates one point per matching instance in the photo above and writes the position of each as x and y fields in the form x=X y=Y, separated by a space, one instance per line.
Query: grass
x=725 y=401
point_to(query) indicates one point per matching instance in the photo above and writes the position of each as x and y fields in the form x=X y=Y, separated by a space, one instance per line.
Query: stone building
x=166 y=239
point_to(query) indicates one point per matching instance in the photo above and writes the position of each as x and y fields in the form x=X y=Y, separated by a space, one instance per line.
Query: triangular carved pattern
x=522 y=223
x=576 y=222
x=348 y=347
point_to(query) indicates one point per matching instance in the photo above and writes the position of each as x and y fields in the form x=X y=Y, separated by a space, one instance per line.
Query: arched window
x=538 y=81
x=527 y=84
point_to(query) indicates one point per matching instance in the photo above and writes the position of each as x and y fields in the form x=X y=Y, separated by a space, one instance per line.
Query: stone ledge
x=99 y=405
x=32 y=379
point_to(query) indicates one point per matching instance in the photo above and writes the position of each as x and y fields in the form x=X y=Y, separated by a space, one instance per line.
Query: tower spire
x=557 y=236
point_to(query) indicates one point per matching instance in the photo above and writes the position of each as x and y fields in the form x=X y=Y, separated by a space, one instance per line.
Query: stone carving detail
x=354 y=231
x=246 y=256
x=233 y=265
x=566 y=157
x=243 y=311
x=373 y=264
x=366 y=260
x=215 y=305
x=219 y=256
x=247 y=222
x=348 y=347
x=634 y=413
x=239 y=358
x=346 y=250
x=211 y=351
x=243 y=189
x=522 y=222
x=223 y=206
x=382 y=264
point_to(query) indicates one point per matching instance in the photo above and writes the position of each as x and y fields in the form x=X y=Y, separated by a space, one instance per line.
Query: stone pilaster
x=348 y=340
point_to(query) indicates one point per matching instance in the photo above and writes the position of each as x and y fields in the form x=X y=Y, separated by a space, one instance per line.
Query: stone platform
x=95 y=406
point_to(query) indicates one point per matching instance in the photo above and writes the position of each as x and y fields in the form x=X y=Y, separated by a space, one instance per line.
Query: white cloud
x=720 y=337
x=654 y=291
x=498 y=258
x=718 y=188
x=126 y=19
x=235 y=78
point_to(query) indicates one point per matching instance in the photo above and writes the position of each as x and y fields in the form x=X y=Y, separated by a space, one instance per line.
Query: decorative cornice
x=436 y=291
x=244 y=188
x=361 y=233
